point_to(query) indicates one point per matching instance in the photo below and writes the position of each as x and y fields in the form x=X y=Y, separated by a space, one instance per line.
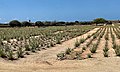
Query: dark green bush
x=15 y=23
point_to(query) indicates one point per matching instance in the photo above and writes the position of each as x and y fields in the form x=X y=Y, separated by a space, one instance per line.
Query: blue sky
x=59 y=10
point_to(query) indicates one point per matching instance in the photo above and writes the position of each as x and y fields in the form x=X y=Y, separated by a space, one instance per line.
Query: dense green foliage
x=99 y=20
x=15 y=23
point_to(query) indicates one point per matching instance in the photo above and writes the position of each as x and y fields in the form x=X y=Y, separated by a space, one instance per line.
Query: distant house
x=113 y=21
x=100 y=24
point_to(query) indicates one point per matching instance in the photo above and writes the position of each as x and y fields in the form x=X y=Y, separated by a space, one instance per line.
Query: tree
x=99 y=20
x=76 y=22
x=70 y=23
x=61 y=23
x=39 y=23
x=47 y=23
x=25 y=23
x=15 y=23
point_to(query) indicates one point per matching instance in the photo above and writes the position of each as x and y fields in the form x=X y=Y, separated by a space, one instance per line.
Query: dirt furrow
x=111 y=50
x=117 y=41
x=101 y=45
x=85 y=43
x=87 y=51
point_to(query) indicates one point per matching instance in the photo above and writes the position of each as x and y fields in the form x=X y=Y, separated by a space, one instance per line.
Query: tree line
x=16 y=23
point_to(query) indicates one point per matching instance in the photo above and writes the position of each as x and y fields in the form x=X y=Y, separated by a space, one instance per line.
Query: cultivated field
x=102 y=43
x=17 y=42
x=60 y=49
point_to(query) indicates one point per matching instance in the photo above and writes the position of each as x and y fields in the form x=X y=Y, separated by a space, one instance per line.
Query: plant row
x=14 y=49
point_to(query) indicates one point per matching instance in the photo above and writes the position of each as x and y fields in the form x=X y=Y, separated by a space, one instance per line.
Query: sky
x=58 y=10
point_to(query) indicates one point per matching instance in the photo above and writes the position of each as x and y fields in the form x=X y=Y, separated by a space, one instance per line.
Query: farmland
x=59 y=36
x=60 y=48
x=103 y=43
x=17 y=42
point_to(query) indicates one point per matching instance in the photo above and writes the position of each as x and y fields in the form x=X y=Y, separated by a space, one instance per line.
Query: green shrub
x=83 y=48
x=82 y=40
x=27 y=53
x=106 y=37
x=94 y=36
x=68 y=51
x=89 y=56
x=10 y=55
x=93 y=48
x=61 y=56
x=100 y=36
x=89 y=42
x=52 y=44
x=117 y=50
x=114 y=46
x=20 y=53
x=105 y=54
x=88 y=36
x=78 y=56
x=105 y=49
x=58 y=41
x=2 y=53
x=77 y=43
x=27 y=47
x=34 y=44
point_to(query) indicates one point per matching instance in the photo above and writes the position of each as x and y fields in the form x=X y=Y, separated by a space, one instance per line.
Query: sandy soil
x=99 y=52
x=87 y=51
x=45 y=61
x=111 y=50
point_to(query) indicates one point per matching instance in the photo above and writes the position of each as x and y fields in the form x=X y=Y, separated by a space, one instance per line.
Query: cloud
x=0 y=18
x=5 y=22
x=33 y=17
x=27 y=18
